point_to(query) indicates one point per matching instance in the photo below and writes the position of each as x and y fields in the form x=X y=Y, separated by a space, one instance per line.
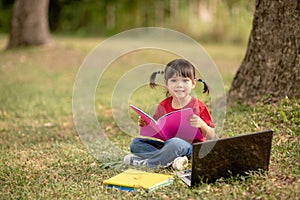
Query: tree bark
x=270 y=69
x=29 y=24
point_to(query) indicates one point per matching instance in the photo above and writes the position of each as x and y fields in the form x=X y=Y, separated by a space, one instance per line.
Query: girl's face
x=180 y=87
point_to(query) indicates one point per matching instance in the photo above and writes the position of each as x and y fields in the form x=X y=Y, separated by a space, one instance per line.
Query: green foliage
x=42 y=157
x=218 y=20
x=6 y=8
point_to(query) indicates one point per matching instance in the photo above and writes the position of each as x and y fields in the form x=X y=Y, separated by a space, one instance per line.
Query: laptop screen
x=230 y=156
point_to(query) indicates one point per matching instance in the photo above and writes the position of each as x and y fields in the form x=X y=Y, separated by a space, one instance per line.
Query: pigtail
x=152 y=78
x=205 y=89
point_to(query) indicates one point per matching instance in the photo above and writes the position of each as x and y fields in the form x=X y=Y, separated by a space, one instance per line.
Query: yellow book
x=131 y=178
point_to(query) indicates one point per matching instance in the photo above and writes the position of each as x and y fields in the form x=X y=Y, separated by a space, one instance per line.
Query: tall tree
x=29 y=25
x=271 y=67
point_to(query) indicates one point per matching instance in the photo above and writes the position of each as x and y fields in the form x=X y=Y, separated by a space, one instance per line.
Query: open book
x=132 y=179
x=173 y=124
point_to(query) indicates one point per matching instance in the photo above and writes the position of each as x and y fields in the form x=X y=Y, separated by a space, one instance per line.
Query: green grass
x=42 y=156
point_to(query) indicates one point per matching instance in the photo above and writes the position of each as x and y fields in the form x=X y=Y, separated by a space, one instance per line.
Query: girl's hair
x=180 y=67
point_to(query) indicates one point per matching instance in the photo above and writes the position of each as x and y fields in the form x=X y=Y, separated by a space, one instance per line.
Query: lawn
x=43 y=157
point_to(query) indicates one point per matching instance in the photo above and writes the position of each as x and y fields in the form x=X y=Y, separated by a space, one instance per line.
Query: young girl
x=179 y=77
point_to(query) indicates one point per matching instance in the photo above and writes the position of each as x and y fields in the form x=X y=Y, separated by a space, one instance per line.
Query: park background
x=41 y=153
x=216 y=20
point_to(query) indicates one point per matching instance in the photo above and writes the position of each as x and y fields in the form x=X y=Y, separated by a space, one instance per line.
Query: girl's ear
x=166 y=82
x=194 y=82
x=166 y=85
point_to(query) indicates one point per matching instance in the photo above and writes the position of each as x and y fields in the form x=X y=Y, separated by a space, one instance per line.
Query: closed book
x=131 y=179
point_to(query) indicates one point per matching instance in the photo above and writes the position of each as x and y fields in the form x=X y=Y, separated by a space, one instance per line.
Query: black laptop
x=227 y=157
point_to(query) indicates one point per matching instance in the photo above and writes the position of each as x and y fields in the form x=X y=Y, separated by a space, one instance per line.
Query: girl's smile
x=180 y=88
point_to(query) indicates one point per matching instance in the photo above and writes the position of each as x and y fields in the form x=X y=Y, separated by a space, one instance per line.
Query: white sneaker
x=134 y=160
x=180 y=163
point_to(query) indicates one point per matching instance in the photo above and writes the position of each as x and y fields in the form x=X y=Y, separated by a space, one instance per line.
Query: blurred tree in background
x=29 y=24
x=214 y=20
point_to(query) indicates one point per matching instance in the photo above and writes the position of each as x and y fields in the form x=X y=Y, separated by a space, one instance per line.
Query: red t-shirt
x=198 y=107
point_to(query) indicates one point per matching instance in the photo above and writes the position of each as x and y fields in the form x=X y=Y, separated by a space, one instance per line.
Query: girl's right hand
x=141 y=122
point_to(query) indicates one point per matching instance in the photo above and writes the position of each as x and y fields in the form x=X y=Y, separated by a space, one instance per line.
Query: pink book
x=173 y=124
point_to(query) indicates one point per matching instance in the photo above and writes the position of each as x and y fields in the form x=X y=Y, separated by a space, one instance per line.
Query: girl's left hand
x=141 y=122
x=196 y=121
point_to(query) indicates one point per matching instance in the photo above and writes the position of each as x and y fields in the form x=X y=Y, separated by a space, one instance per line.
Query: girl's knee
x=135 y=144
x=180 y=146
x=135 y=140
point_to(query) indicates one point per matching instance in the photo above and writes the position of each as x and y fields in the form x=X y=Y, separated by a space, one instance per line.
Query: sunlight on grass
x=42 y=156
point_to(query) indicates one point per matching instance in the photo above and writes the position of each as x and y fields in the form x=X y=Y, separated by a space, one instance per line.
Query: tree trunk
x=271 y=68
x=29 y=24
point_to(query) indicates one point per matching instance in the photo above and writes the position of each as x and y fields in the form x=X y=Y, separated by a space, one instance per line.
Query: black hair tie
x=201 y=80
